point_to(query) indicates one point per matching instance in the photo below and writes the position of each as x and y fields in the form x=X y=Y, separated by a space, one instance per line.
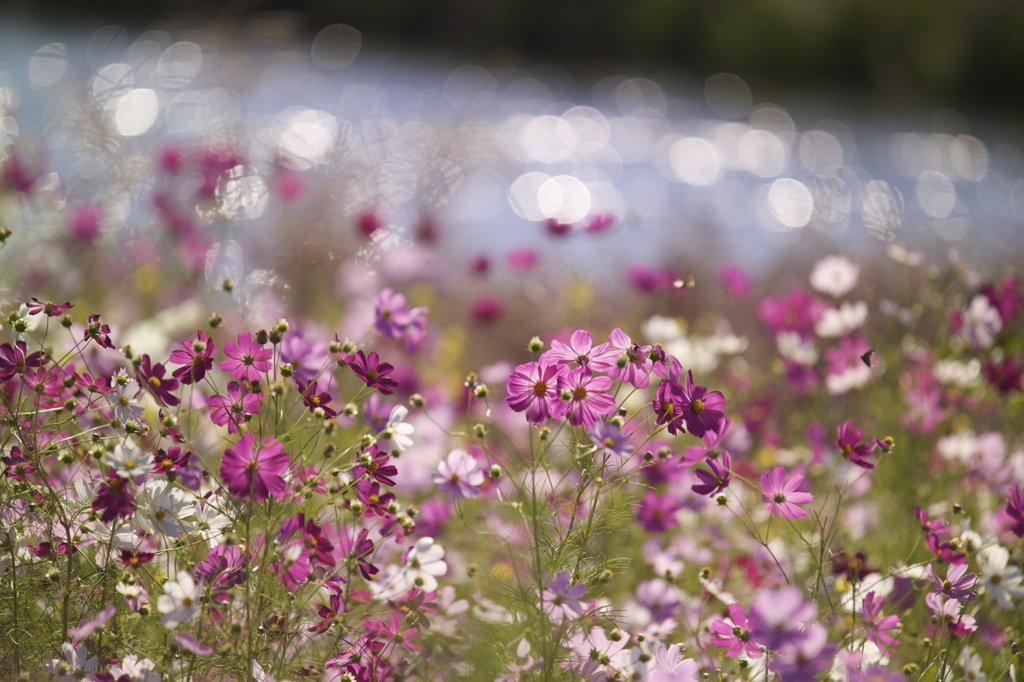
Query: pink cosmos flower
x=257 y=472
x=702 y=410
x=714 y=481
x=581 y=350
x=247 y=360
x=876 y=626
x=534 y=388
x=197 y=358
x=51 y=309
x=588 y=397
x=373 y=372
x=737 y=634
x=851 y=447
x=1015 y=510
x=458 y=475
x=781 y=496
x=632 y=365
x=230 y=409
x=522 y=259
x=951 y=613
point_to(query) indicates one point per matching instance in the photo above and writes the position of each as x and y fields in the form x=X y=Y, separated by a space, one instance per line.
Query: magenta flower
x=87 y=627
x=313 y=400
x=781 y=496
x=801 y=660
x=161 y=387
x=794 y=312
x=98 y=332
x=851 y=447
x=50 y=309
x=373 y=372
x=197 y=359
x=247 y=360
x=392 y=632
x=581 y=350
x=587 y=397
x=714 y=481
x=231 y=409
x=702 y=410
x=876 y=626
x=535 y=388
x=114 y=498
x=737 y=634
x=1015 y=510
x=713 y=443
x=15 y=359
x=257 y=472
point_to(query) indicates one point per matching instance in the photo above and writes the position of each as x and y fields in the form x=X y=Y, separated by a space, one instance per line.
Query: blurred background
x=524 y=158
x=910 y=53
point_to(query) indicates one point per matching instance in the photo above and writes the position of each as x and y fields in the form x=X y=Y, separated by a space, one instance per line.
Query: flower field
x=257 y=423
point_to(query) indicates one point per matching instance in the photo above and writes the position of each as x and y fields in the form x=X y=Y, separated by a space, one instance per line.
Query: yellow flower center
x=698 y=406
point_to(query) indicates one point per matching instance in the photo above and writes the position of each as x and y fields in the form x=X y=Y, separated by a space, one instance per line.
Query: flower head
x=782 y=496
x=258 y=472
x=180 y=600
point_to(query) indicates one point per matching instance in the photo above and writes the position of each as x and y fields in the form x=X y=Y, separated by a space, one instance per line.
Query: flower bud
x=416 y=400
x=350 y=410
x=471 y=380
x=261 y=336
x=479 y=430
x=481 y=391
x=495 y=471
x=287 y=371
x=215 y=320
x=535 y=345
x=66 y=321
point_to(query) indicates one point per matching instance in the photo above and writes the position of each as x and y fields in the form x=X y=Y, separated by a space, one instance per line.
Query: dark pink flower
x=152 y=378
x=535 y=388
x=98 y=332
x=735 y=280
x=50 y=309
x=368 y=222
x=714 y=481
x=85 y=223
x=258 y=472
x=196 y=358
x=702 y=410
x=114 y=498
x=877 y=626
x=1015 y=510
x=851 y=447
x=314 y=400
x=373 y=372
x=231 y=409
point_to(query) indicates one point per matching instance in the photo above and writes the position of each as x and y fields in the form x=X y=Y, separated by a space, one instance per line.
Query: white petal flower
x=1001 y=581
x=179 y=602
x=129 y=461
x=834 y=275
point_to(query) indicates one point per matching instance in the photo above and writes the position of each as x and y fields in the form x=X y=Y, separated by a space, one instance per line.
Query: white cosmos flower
x=971 y=663
x=957 y=373
x=424 y=563
x=129 y=461
x=1001 y=581
x=981 y=322
x=180 y=600
x=75 y=664
x=793 y=347
x=209 y=524
x=163 y=508
x=842 y=320
x=396 y=435
x=834 y=275
x=135 y=670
